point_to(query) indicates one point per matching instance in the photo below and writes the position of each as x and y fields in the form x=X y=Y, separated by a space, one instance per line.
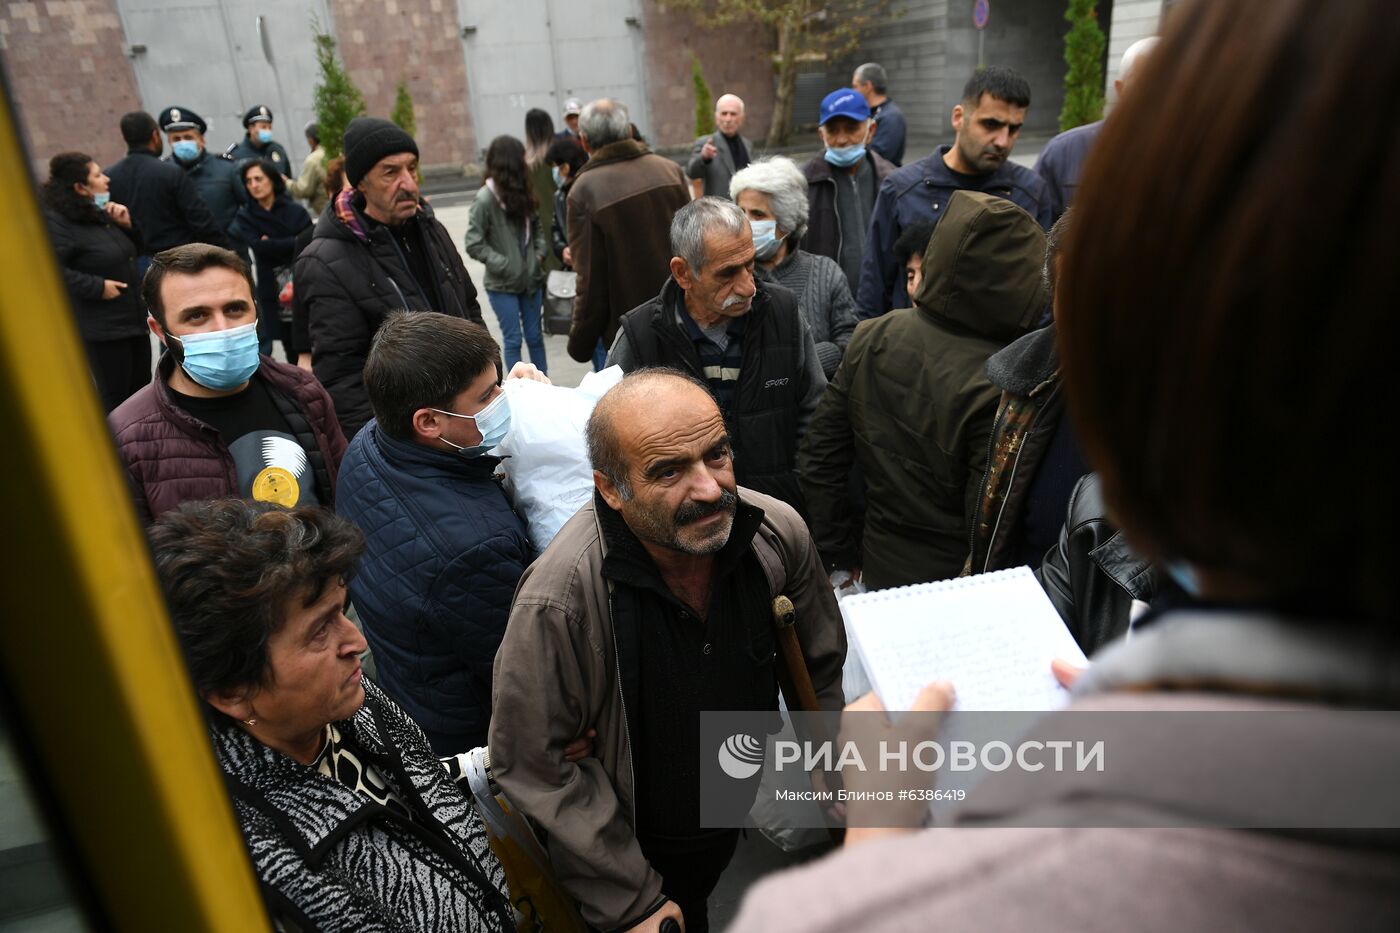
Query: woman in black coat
x=565 y=157
x=96 y=246
x=268 y=225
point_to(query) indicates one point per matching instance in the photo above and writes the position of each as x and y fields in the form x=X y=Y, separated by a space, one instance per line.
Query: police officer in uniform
x=214 y=175
x=259 y=144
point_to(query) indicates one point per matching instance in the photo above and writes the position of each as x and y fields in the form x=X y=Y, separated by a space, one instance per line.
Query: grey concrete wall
x=1026 y=35
x=929 y=50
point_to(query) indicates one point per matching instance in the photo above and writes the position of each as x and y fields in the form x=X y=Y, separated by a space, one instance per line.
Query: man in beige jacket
x=652 y=604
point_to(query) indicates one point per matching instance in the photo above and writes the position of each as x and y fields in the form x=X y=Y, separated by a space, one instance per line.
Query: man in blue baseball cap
x=842 y=182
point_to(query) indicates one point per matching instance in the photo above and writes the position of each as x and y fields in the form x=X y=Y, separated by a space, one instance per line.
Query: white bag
x=548 y=476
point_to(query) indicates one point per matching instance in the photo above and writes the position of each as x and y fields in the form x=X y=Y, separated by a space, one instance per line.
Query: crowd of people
x=847 y=370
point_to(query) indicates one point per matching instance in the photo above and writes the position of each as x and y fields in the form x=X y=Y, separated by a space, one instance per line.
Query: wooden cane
x=798 y=682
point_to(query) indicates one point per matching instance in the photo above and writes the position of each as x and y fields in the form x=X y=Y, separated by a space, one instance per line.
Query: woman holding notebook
x=1225 y=337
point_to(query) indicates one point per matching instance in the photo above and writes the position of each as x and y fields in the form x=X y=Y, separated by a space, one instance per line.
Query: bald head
x=643 y=402
x=1132 y=58
x=729 y=114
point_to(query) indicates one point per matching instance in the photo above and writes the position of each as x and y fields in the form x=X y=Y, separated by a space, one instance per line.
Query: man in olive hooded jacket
x=912 y=404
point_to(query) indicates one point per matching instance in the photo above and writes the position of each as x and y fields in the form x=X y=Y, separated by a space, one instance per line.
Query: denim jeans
x=515 y=312
x=600 y=356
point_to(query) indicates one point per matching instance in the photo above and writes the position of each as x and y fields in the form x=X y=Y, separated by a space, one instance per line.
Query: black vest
x=772 y=381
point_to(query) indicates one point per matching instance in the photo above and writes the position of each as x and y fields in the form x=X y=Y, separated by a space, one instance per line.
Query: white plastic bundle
x=548 y=476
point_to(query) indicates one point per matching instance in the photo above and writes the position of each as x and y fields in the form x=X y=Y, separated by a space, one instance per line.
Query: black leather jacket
x=1092 y=576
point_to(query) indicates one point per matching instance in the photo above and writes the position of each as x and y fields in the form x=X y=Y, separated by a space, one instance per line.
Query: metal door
x=221 y=57
x=540 y=53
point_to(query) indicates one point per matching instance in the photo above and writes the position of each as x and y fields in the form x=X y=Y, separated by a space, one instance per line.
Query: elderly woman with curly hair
x=351 y=821
x=773 y=193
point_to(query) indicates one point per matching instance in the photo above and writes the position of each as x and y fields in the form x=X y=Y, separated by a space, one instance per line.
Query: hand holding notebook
x=992 y=635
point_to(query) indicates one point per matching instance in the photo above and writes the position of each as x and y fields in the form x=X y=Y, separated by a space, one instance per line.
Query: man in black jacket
x=745 y=338
x=375 y=250
x=163 y=201
x=214 y=176
x=257 y=142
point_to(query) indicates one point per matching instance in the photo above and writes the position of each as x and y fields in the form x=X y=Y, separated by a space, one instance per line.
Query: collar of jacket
x=313 y=812
x=1255 y=652
x=937 y=173
x=819 y=170
x=673 y=301
x=1124 y=567
x=1027 y=364
x=348 y=214
x=620 y=151
x=626 y=560
x=143 y=151
x=165 y=401
x=418 y=458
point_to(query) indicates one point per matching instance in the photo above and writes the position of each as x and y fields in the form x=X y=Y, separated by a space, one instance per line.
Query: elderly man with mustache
x=743 y=336
x=378 y=249
x=651 y=605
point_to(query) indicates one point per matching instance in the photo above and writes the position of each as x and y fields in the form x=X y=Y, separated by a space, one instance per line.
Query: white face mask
x=765 y=238
x=492 y=422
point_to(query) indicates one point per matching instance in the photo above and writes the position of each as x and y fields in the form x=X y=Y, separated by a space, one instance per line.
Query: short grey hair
x=784 y=184
x=604 y=121
x=698 y=218
x=875 y=74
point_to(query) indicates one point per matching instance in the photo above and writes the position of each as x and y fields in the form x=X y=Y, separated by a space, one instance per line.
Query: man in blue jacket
x=445 y=548
x=987 y=122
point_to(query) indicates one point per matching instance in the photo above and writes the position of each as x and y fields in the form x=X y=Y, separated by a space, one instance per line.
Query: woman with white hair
x=773 y=194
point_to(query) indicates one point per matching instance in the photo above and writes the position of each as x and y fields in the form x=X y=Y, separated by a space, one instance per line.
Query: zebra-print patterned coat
x=331 y=859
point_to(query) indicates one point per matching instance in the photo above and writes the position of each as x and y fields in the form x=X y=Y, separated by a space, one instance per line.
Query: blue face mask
x=493 y=422
x=845 y=156
x=186 y=150
x=558 y=182
x=101 y=199
x=765 y=238
x=220 y=359
x=264 y=136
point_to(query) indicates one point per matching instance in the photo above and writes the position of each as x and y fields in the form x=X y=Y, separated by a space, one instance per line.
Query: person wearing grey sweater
x=773 y=194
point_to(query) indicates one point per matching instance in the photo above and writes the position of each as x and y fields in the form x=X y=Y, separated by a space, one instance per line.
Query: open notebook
x=993 y=635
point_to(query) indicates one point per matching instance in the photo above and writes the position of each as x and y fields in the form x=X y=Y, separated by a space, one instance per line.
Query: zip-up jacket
x=172 y=457
x=920 y=192
x=911 y=404
x=351 y=275
x=780 y=379
x=823 y=235
x=558 y=675
x=1031 y=405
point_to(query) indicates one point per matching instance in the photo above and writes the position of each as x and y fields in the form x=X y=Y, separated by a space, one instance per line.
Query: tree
x=704 y=99
x=1084 y=44
x=402 y=113
x=804 y=30
x=337 y=99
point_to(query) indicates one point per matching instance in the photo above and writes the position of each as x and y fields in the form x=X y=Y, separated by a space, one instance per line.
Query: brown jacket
x=620 y=210
x=556 y=677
